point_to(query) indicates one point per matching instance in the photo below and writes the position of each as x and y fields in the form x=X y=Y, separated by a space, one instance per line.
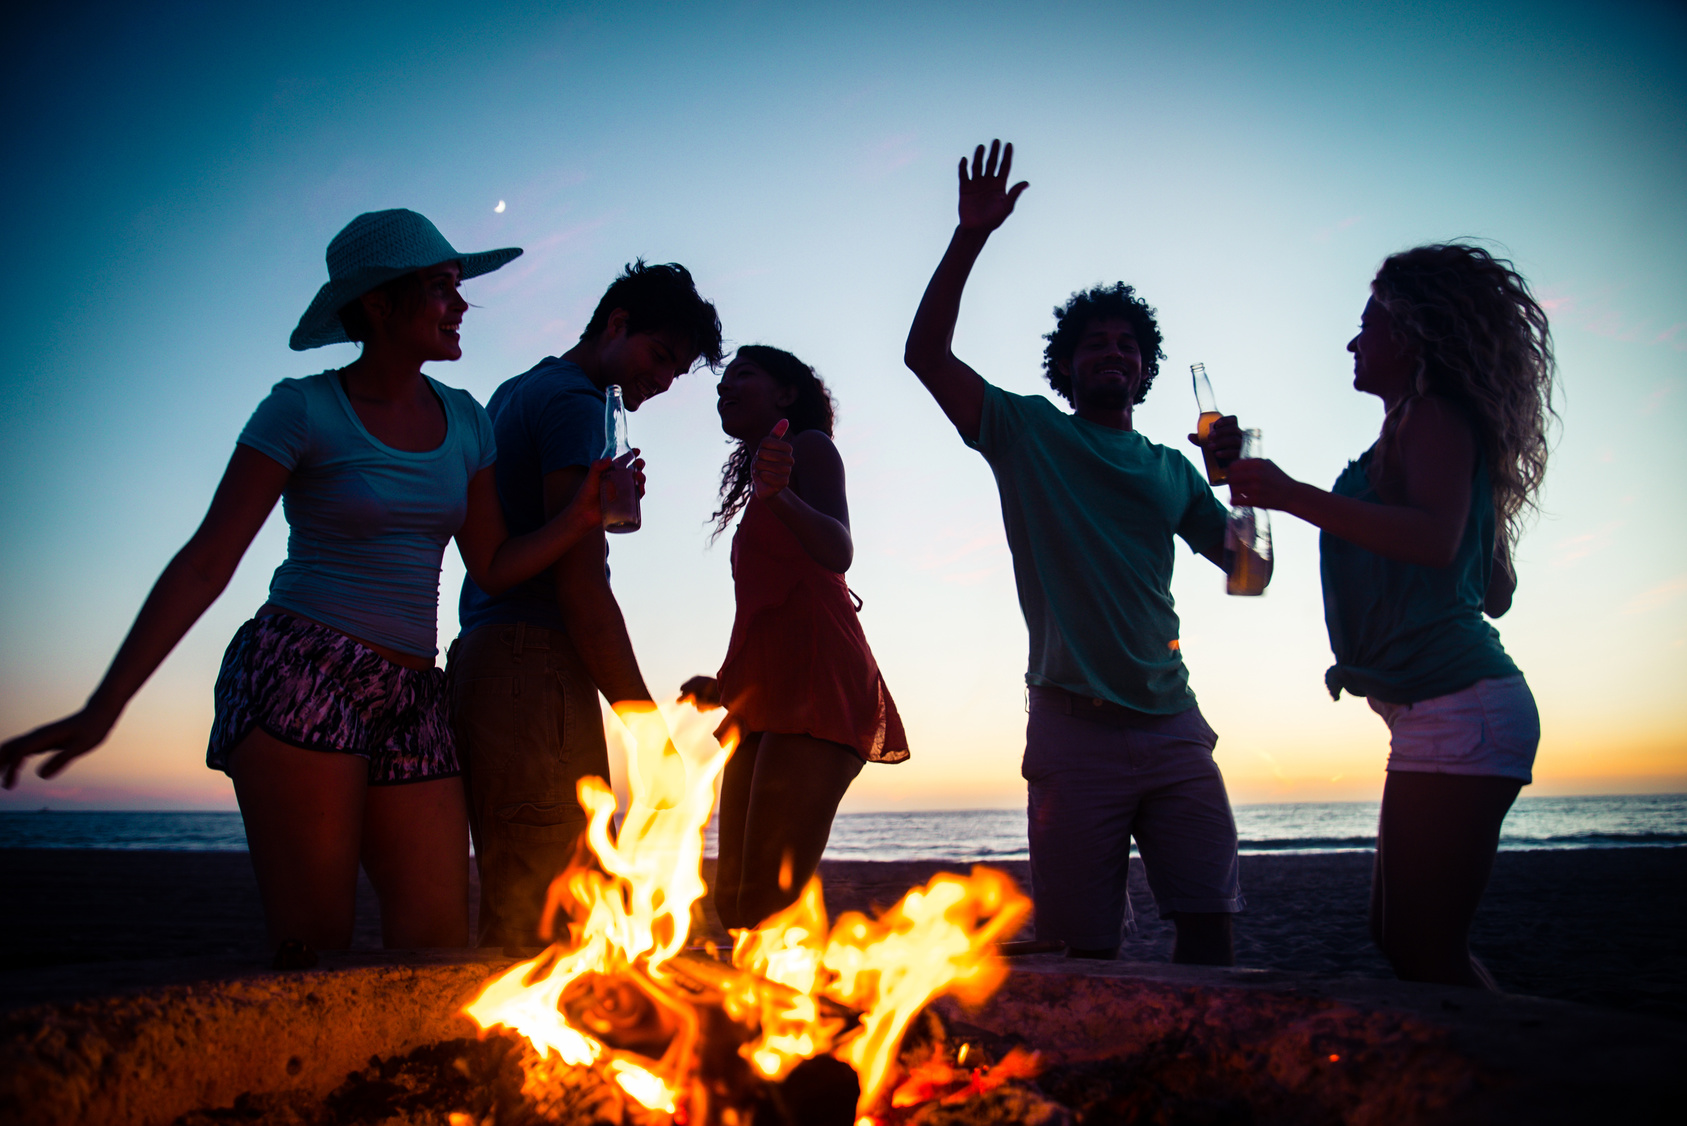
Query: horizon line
x=975 y=809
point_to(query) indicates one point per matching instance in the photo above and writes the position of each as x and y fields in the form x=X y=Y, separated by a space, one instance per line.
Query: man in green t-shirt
x=1115 y=747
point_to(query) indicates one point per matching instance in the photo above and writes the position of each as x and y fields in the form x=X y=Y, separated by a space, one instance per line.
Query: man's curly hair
x=1101 y=302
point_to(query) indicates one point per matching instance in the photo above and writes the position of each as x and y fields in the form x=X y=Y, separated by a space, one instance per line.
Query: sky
x=177 y=171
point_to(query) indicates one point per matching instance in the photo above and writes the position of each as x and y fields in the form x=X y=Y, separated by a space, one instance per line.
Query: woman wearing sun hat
x=330 y=714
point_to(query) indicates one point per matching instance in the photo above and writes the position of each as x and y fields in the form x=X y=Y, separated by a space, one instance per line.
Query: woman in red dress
x=803 y=694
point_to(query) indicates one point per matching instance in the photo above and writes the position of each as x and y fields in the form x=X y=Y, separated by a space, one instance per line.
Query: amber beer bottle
x=1247 y=537
x=619 y=495
x=1207 y=404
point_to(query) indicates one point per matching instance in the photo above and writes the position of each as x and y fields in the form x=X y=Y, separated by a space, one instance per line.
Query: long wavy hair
x=1481 y=340
x=814 y=409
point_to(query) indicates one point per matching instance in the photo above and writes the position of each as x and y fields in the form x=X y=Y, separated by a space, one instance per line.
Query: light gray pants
x=1095 y=783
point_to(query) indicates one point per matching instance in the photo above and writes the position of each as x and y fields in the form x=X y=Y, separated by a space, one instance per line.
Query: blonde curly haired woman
x=1417 y=543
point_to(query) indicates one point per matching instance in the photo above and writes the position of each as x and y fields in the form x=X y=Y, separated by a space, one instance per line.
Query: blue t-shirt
x=545 y=419
x=1090 y=514
x=367 y=524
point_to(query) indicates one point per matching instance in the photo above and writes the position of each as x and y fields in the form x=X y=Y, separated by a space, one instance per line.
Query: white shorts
x=1490 y=728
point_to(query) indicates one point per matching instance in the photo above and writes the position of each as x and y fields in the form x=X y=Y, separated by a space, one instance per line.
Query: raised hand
x=986 y=200
x=775 y=459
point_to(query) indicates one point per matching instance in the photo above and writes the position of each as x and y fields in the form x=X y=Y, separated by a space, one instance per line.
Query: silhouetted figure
x=802 y=691
x=330 y=715
x=527 y=669
x=1115 y=747
x=1417 y=544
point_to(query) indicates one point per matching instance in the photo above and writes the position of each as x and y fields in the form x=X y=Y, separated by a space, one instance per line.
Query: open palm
x=986 y=200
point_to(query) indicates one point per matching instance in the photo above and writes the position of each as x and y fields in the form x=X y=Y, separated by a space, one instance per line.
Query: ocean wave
x=1595 y=840
x=1309 y=844
x=1650 y=839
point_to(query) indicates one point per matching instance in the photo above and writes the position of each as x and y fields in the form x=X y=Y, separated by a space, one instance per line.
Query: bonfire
x=691 y=1036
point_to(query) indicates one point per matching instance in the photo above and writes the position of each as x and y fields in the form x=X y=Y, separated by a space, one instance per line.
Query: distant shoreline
x=1598 y=822
x=7 y=810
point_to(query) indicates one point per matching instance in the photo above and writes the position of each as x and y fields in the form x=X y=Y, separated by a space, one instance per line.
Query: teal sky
x=176 y=173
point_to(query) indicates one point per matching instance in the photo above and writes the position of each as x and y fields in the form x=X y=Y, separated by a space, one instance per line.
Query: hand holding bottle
x=1218 y=434
x=1220 y=440
x=1247 y=535
x=1257 y=483
x=623 y=480
x=587 y=505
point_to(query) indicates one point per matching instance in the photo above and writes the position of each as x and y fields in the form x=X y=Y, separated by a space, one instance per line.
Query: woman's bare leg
x=799 y=781
x=736 y=782
x=416 y=851
x=304 y=813
x=1435 y=850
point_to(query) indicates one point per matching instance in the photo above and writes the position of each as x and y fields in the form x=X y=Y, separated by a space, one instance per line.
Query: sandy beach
x=1597 y=926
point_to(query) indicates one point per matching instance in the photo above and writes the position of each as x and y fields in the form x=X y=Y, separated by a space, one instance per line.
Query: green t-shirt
x=1090 y=513
x=1403 y=632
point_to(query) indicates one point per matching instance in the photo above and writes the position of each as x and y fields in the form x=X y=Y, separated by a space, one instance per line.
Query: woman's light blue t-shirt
x=368 y=524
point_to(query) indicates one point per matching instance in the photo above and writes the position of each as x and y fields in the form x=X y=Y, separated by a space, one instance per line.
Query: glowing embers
x=694 y=1039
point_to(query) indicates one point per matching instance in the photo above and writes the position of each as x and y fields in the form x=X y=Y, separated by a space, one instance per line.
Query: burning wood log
x=693 y=1039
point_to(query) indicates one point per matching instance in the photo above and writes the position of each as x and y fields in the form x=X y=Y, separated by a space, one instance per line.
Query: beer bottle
x=1207 y=404
x=619 y=494
x=1247 y=537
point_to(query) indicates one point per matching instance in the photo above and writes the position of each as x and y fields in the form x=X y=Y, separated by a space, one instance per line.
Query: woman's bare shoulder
x=815 y=444
x=1435 y=414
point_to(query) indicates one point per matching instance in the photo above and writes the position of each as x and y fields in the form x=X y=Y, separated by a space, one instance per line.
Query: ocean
x=974 y=835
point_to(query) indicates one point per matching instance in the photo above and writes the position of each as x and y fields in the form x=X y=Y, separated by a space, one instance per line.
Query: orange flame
x=802 y=988
x=639 y=913
x=937 y=940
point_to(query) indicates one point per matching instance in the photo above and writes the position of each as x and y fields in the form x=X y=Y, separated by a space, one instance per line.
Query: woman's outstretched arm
x=815 y=507
x=194 y=578
x=1422 y=517
x=496 y=560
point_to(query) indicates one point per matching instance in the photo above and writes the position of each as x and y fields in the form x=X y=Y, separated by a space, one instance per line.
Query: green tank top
x=1402 y=632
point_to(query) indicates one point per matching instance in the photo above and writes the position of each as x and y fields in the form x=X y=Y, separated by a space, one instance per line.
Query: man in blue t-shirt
x=529 y=664
x=1115 y=747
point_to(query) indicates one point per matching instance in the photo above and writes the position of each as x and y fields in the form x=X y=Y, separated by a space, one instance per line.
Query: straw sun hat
x=373 y=249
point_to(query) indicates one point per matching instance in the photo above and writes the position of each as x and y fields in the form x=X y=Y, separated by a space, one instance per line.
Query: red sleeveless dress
x=798 y=662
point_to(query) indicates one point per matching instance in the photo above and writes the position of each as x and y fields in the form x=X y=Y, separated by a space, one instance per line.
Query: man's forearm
x=588 y=607
x=958 y=389
x=599 y=634
x=933 y=331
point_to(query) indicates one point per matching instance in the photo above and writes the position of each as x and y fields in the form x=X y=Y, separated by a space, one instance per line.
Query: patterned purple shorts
x=316 y=688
